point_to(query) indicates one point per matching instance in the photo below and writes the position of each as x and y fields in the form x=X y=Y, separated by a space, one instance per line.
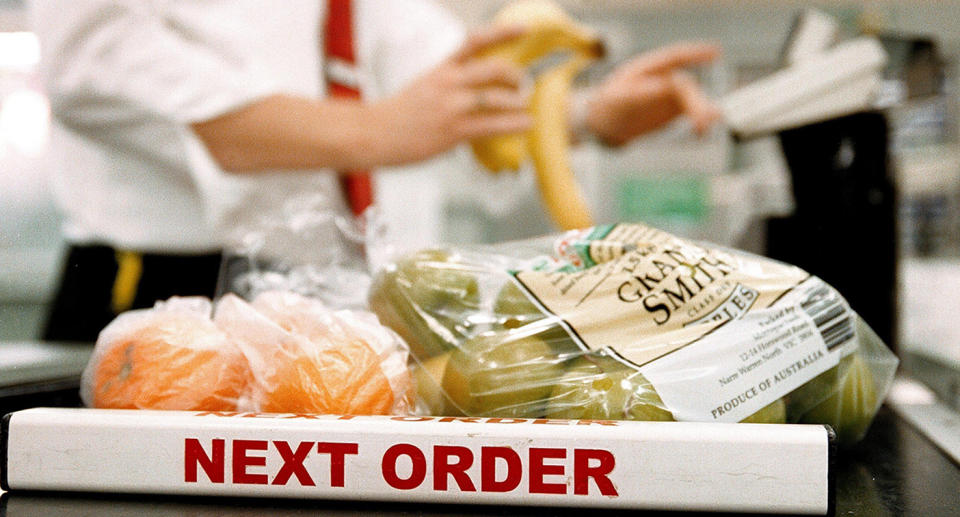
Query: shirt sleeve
x=112 y=65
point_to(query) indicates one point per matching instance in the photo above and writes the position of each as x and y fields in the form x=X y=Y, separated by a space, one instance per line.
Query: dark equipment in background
x=844 y=227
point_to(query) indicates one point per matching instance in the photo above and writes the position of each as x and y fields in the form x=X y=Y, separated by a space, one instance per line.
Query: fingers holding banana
x=485 y=100
x=491 y=36
x=490 y=72
x=491 y=109
x=486 y=124
x=549 y=31
x=465 y=97
x=491 y=85
x=641 y=95
x=490 y=94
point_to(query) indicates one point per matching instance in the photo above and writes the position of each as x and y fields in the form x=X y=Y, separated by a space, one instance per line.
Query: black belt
x=99 y=282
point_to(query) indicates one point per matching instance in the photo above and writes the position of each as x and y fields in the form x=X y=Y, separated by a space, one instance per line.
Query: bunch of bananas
x=549 y=30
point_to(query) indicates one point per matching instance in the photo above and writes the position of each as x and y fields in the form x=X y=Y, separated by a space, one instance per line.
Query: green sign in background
x=683 y=199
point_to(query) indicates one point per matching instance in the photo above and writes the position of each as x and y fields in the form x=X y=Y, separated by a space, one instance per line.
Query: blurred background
x=752 y=194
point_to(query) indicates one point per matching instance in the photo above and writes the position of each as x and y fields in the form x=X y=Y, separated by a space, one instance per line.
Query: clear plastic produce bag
x=169 y=357
x=628 y=322
x=282 y=353
x=305 y=358
x=308 y=247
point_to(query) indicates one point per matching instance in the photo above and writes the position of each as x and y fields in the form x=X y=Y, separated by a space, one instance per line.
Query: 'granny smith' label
x=665 y=305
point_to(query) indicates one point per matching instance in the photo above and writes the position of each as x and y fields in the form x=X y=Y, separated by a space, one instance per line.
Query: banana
x=549 y=30
x=500 y=152
x=549 y=141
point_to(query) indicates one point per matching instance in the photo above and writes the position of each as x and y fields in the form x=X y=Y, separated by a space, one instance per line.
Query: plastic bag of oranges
x=283 y=353
x=169 y=357
x=305 y=358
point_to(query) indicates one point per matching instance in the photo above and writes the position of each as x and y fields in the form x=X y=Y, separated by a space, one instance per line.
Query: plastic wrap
x=305 y=358
x=169 y=357
x=281 y=353
x=305 y=247
x=628 y=322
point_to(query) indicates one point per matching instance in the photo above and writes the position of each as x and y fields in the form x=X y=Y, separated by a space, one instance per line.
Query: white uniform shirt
x=127 y=77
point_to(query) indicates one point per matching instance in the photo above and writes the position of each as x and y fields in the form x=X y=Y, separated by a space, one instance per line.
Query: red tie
x=342 y=82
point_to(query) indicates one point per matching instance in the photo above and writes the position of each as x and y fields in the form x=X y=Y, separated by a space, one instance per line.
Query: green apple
x=514 y=311
x=425 y=298
x=428 y=376
x=499 y=375
x=597 y=387
x=433 y=279
x=774 y=413
x=514 y=308
x=850 y=408
x=425 y=336
x=815 y=391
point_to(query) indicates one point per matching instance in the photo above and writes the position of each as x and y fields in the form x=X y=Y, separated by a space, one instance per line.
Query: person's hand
x=463 y=98
x=650 y=90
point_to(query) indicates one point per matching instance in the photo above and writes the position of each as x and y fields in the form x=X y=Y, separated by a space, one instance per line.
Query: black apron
x=98 y=282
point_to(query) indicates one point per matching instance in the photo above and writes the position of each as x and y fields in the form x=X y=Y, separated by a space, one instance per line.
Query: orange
x=344 y=379
x=167 y=360
x=326 y=364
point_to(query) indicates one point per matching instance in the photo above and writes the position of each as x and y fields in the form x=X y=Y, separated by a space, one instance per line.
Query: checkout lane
x=903 y=467
x=894 y=471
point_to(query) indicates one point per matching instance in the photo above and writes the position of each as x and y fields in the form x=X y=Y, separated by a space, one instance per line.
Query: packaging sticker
x=662 y=305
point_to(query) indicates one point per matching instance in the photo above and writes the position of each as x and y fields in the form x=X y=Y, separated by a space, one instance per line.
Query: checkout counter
x=907 y=465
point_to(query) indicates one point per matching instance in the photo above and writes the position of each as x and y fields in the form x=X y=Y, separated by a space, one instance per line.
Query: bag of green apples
x=626 y=322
